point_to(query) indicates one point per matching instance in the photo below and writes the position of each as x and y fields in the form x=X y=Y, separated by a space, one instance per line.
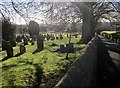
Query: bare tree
x=67 y=13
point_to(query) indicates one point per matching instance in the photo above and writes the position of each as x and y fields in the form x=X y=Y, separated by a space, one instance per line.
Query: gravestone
x=40 y=43
x=44 y=36
x=22 y=49
x=52 y=37
x=22 y=36
x=33 y=37
x=67 y=35
x=48 y=36
x=28 y=37
x=13 y=43
x=25 y=41
x=9 y=50
x=76 y=35
x=32 y=42
x=61 y=37
x=62 y=48
x=4 y=44
x=70 y=48
x=18 y=39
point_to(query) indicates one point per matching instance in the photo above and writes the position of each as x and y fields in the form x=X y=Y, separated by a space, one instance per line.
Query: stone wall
x=83 y=70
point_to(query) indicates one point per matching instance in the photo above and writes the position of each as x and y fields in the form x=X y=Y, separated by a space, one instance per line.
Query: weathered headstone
x=25 y=41
x=76 y=35
x=9 y=50
x=32 y=42
x=40 y=43
x=48 y=36
x=33 y=37
x=61 y=37
x=13 y=43
x=22 y=49
x=28 y=37
x=67 y=35
x=62 y=48
x=22 y=36
x=52 y=37
x=18 y=39
x=70 y=48
x=4 y=44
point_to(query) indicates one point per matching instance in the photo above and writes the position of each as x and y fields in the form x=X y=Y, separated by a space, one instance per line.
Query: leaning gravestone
x=70 y=48
x=13 y=43
x=40 y=43
x=9 y=50
x=44 y=36
x=18 y=39
x=22 y=49
x=62 y=48
x=25 y=41
x=61 y=37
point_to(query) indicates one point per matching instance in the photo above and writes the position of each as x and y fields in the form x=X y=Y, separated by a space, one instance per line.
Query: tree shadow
x=5 y=58
x=8 y=66
x=38 y=74
x=36 y=51
x=18 y=54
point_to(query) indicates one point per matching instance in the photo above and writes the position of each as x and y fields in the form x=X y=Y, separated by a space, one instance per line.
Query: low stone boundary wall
x=82 y=73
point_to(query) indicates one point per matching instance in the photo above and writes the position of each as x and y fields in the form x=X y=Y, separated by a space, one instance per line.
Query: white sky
x=19 y=20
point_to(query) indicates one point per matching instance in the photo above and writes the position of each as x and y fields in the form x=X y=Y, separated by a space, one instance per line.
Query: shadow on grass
x=8 y=66
x=6 y=58
x=38 y=74
x=36 y=51
x=18 y=54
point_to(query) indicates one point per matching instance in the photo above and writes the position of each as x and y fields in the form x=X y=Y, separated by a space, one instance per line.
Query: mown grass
x=22 y=70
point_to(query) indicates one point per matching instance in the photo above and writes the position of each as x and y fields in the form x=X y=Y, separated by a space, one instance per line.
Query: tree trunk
x=88 y=27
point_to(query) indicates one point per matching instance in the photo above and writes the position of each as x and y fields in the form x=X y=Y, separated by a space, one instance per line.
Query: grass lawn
x=26 y=69
x=108 y=32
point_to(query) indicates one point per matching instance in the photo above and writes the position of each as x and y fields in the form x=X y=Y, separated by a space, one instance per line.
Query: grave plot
x=24 y=69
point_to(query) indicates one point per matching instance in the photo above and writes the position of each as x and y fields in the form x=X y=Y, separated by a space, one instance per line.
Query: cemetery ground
x=28 y=69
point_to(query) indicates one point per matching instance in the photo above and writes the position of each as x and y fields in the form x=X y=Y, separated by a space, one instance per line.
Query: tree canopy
x=87 y=13
x=33 y=28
